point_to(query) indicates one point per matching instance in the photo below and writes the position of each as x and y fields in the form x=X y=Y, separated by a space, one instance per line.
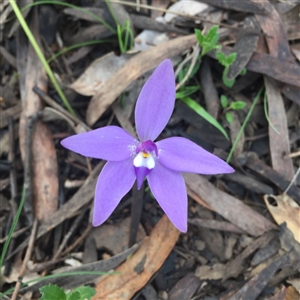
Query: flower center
x=144 y=161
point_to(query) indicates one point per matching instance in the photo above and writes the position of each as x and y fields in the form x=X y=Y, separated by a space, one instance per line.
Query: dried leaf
x=44 y=161
x=266 y=64
x=79 y=199
x=292 y=293
x=215 y=272
x=244 y=46
x=70 y=282
x=287 y=210
x=98 y=72
x=254 y=286
x=137 y=271
x=115 y=237
x=279 y=143
x=229 y=207
x=135 y=67
x=246 y=6
x=295 y=282
x=184 y=288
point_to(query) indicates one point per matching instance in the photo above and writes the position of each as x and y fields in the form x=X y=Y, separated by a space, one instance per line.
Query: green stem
x=39 y=53
x=244 y=125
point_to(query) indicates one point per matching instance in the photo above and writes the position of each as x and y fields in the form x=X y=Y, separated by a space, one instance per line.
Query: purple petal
x=109 y=143
x=114 y=182
x=156 y=101
x=141 y=174
x=182 y=155
x=169 y=189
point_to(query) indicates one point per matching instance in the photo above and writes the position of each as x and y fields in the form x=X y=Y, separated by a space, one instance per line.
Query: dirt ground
x=243 y=228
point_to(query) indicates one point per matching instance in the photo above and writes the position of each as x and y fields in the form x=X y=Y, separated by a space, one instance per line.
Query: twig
x=27 y=167
x=182 y=64
x=294 y=154
x=195 y=56
x=136 y=212
x=15 y=234
x=26 y=259
x=70 y=232
x=79 y=240
x=174 y=13
x=53 y=104
x=293 y=181
x=13 y=188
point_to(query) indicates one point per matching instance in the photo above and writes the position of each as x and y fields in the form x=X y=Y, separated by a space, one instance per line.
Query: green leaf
x=231 y=58
x=224 y=60
x=212 y=32
x=199 y=36
x=224 y=101
x=243 y=72
x=186 y=91
x=212 y=36
x=221 y=57
x=86 y=292
x=237 y=105
x=52 y=292
x=74 y=295
x=204 y=114
x=229 y=117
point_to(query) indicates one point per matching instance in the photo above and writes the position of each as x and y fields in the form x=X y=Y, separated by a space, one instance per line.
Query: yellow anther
x=145 y=154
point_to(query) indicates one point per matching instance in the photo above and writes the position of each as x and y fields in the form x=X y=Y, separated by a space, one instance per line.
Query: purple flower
x=160 y=162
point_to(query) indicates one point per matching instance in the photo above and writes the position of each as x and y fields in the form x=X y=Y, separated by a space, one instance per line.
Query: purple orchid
x=160 y=162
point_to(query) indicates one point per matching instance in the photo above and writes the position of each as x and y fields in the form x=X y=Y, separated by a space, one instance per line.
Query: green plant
x=54 y=292
x=204 y=114
x=123 y=30
x=183 y=95
x=233 y=105
x=226 y=61
x=209 y=41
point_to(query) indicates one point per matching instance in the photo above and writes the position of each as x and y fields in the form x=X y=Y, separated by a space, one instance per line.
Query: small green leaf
x=199 y=36
x=212 y=36
x=52 y=292
x=224 y=101
x=224 y=60
x=231 y=58
x=213 y=31
x=74 y=295
x=237 y=105
x=229 y=117
x=221 y=58
x=86 y=292
x=204 y=114
x=243 y=72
